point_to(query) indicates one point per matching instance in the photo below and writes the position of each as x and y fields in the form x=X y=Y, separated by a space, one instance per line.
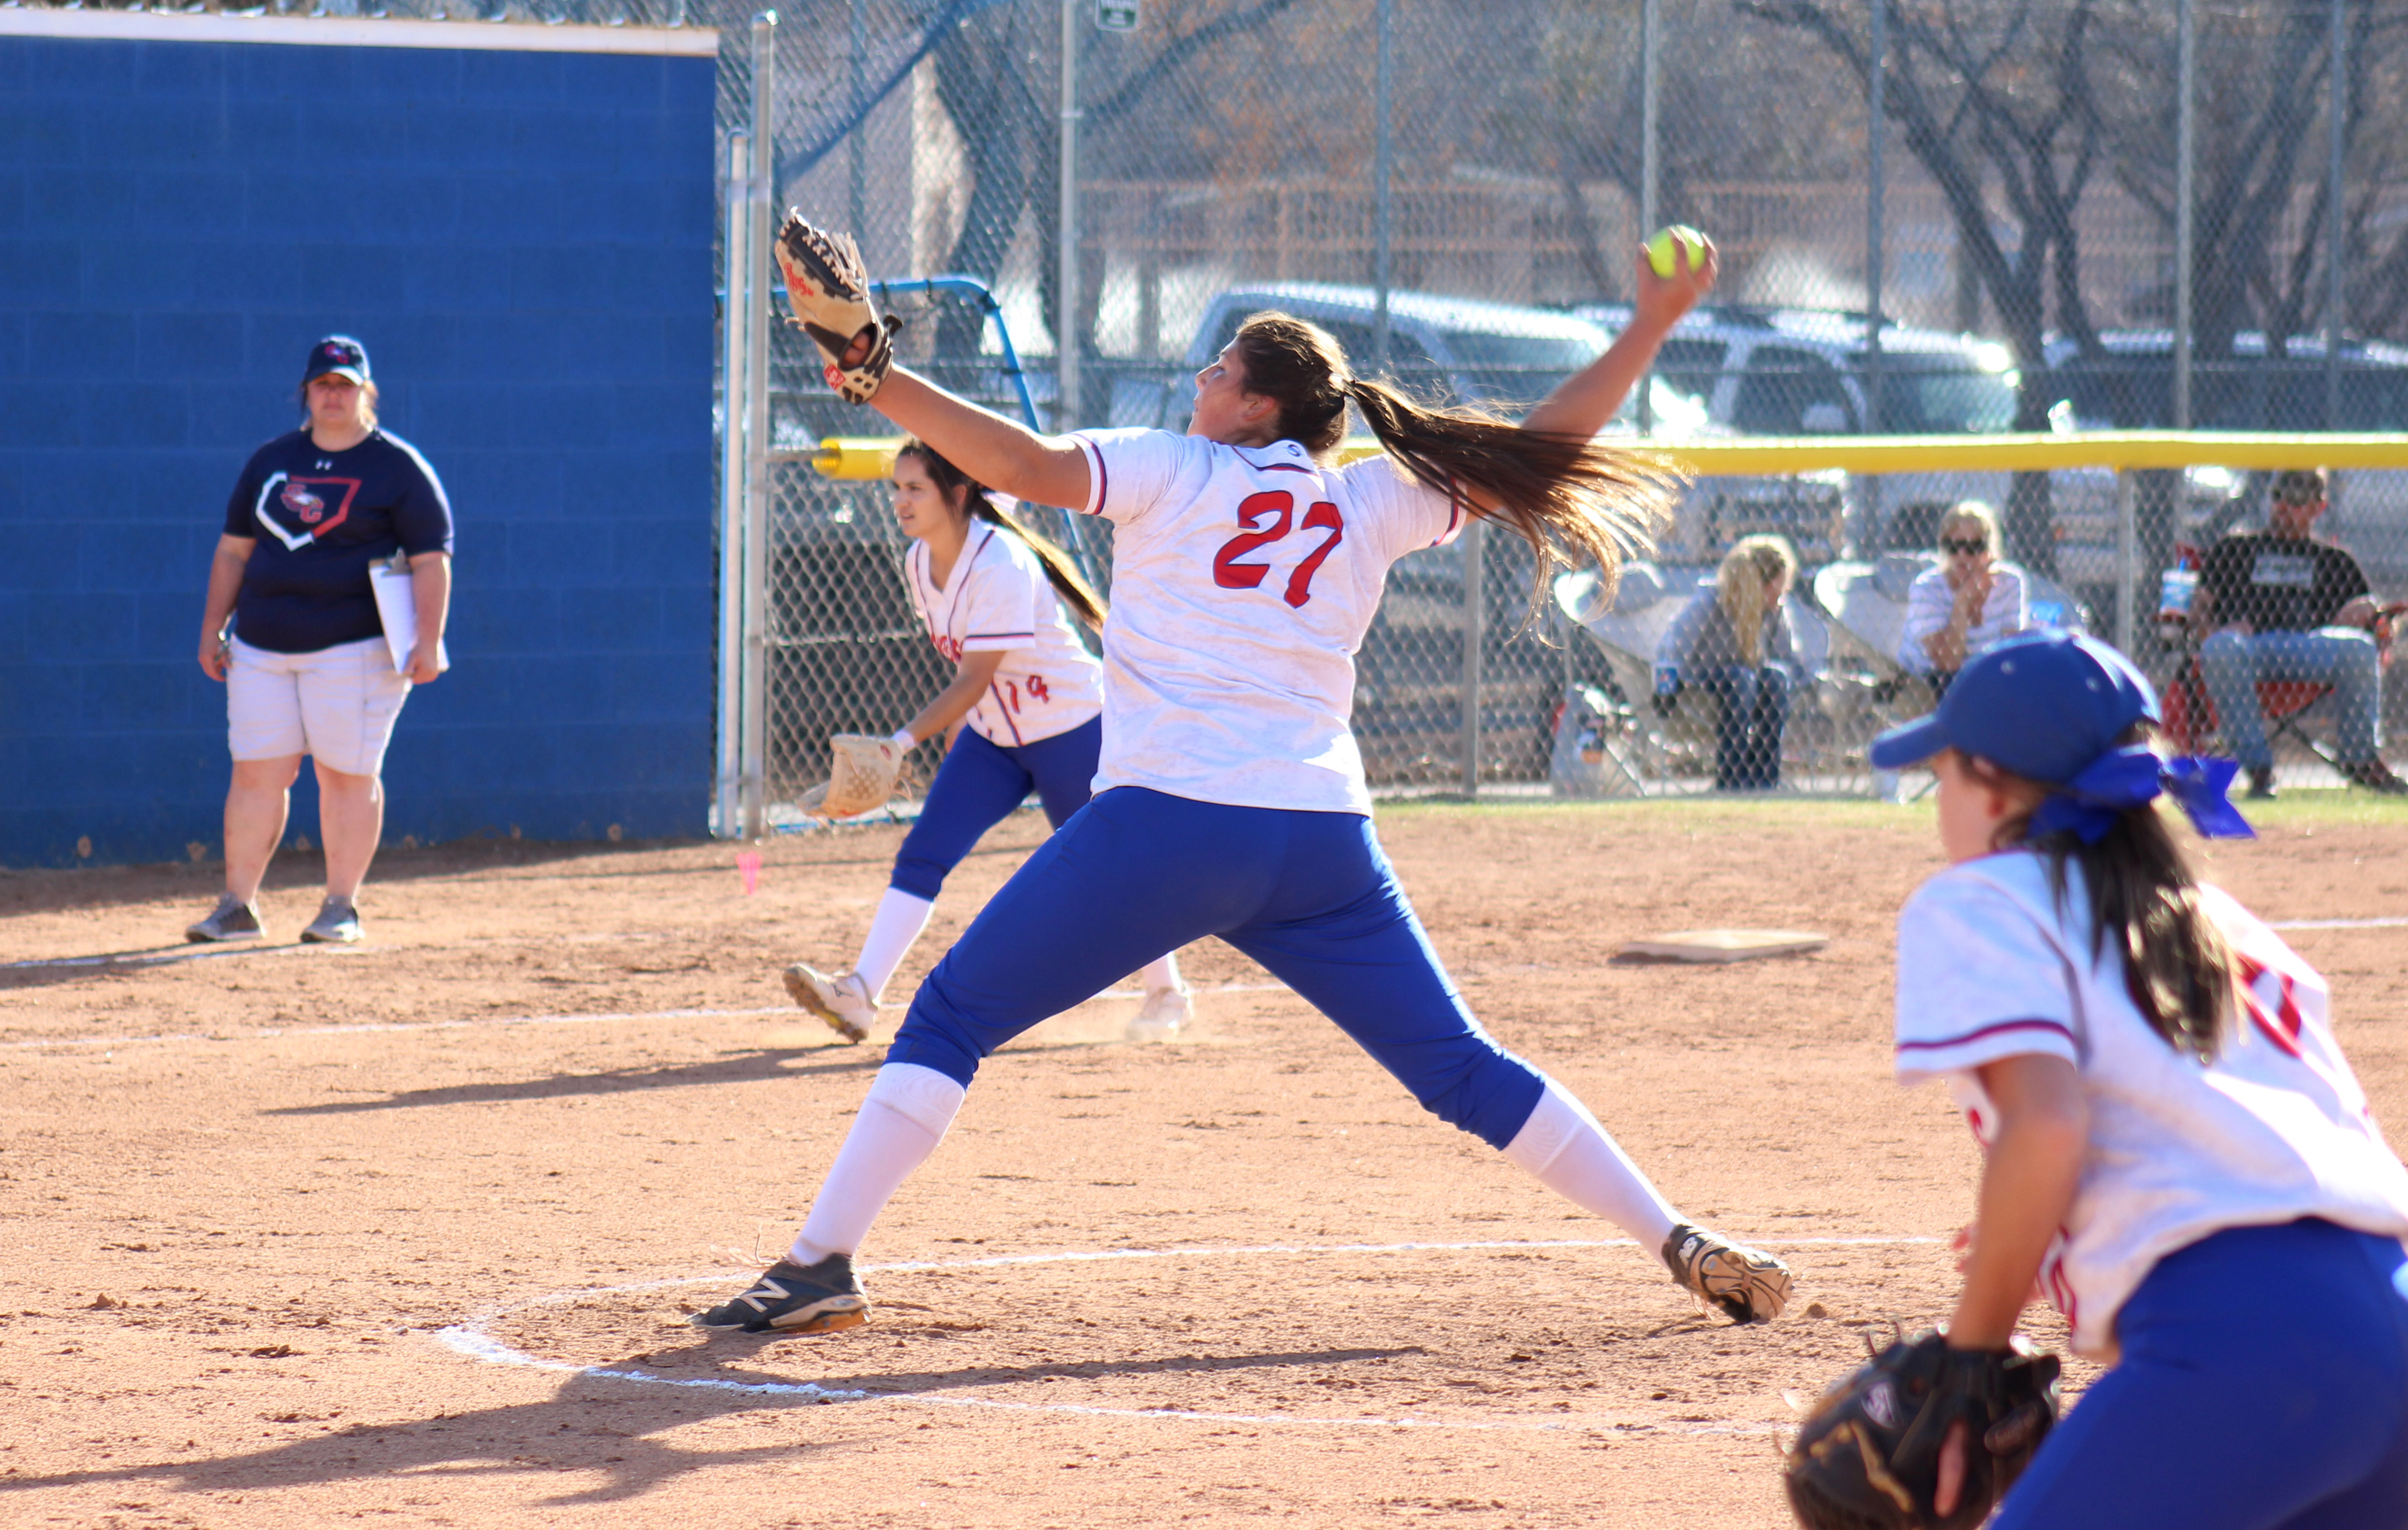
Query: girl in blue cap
x=2178 y=1156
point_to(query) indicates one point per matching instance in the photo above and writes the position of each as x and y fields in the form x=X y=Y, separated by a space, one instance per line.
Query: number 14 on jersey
x=1277 y=508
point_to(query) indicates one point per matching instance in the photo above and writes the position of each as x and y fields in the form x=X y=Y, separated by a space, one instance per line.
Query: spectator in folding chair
x=1968 y=605
x=2284 y=605
x=1734 y=640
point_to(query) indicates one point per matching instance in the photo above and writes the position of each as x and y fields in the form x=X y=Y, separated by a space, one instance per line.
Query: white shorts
x=337 y=704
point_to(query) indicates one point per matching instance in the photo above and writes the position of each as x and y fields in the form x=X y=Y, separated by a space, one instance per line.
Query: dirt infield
x=404 y=1233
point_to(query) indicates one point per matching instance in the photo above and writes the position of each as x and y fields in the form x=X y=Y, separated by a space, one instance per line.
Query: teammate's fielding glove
x=862 y=772
x=828 y=289
x=1868 y=1455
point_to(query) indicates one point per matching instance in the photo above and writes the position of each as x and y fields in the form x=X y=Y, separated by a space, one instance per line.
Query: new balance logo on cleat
x=792 y=1299
x=1746 y=1284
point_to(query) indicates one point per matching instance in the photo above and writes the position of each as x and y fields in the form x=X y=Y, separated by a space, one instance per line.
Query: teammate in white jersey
x=1231 y=798
x=2177 y=1153
x=997 y=601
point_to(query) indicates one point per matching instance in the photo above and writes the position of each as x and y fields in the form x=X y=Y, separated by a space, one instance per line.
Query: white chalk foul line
x=2388 y=923
x=373 y=1027
x=184 y=953
x=469 y=1338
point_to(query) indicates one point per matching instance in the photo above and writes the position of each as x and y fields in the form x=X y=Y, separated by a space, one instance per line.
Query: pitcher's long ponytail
x=1574 y=501
x=1060 y=571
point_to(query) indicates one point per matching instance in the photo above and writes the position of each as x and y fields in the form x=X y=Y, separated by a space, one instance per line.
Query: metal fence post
x=2186 y=157
x=736 y=325
x=1876 y=259
x=755 y=766
x=2336 y=262
x=1066 y=281
x=2126 y=555
x=1384 y=177
x=1475 y=633
x=1876 y=245
x=1651 y=42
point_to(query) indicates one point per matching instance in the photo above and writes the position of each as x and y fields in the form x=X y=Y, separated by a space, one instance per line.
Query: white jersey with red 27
x=1243 y=580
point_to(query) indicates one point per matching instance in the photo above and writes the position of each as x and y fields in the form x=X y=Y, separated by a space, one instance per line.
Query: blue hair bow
x=2122 y=779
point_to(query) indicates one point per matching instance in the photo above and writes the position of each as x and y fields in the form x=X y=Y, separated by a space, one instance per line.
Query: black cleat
x=790 y=1299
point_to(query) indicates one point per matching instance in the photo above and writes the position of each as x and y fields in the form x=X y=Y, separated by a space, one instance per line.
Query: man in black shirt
x=2278 y=604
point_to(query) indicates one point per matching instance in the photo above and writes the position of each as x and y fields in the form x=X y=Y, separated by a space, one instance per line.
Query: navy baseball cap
x=337 y=355
x=2045 y=707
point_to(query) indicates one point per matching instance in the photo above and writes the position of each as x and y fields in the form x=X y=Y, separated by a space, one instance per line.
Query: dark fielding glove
x=828 y=289
x=1868 y=1455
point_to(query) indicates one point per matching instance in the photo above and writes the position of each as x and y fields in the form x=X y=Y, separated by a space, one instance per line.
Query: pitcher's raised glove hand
x=1871 y=1454
x=828 y=289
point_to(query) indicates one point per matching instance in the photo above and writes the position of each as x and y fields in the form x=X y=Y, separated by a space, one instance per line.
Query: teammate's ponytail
x=1571 y=499
x=1060 y=571
x=2144 y=898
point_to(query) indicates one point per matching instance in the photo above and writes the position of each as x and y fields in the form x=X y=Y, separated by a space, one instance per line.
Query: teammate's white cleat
x=845 y=1000
x=1164 y=1014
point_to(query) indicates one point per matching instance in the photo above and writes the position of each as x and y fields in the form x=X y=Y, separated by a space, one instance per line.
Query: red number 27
x=1280 y=507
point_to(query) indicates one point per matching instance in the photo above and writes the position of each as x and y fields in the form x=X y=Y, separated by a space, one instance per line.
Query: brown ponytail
x=1571 y=499
x=1060 y=571
x=2178 y=967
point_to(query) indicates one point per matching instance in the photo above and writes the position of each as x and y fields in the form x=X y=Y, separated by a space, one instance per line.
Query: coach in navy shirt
x=293 y=630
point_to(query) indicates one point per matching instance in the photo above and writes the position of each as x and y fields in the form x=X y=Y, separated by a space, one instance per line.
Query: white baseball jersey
x=998 y=600
x=1929 y=602
x=2275 y=1129
x=1243 y=580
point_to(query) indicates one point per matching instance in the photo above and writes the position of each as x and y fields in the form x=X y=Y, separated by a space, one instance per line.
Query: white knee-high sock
x=901 y=1121
x=897 y=923
x=1162 y=972
x=1563 y=1149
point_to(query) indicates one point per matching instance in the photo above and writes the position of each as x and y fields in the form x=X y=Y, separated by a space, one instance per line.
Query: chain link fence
x=1461 y=218
x=2176 y=214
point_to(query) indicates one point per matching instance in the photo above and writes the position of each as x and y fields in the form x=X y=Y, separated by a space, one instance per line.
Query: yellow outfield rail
x=873 y=456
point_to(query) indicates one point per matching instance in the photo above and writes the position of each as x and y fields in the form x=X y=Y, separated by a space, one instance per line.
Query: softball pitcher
x=1231 y=798
x=991 y=594
x=2177 y=1153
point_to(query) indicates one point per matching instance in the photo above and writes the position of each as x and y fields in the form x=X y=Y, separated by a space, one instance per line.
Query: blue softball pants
x=2264 y=1386
x=1309 y=895
x=978 y=787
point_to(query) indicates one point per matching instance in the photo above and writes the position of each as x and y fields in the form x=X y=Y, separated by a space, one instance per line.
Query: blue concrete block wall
x=524 y=242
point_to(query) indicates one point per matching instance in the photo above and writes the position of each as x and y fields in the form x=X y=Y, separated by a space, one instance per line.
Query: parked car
x=2128 y=384
x=1502 y=354
x=1506 y=356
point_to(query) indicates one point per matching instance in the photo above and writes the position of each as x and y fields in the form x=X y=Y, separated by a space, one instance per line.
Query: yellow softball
x=1659 y=250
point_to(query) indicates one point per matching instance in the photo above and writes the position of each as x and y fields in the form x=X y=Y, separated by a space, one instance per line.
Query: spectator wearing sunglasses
x=1969 y=604
x=2283 y=604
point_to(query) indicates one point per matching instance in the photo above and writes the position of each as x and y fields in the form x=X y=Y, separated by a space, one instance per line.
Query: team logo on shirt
x=296 y=509
x=2291 y=571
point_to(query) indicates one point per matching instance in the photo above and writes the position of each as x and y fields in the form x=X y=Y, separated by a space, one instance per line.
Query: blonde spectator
x=1965 y=606
x=1734 y=640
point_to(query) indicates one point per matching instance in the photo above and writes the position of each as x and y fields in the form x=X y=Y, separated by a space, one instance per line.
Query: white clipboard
x=397 y=609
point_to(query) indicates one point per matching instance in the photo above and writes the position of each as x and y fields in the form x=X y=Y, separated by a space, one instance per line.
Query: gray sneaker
x=232 y=919
x=337 y=924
